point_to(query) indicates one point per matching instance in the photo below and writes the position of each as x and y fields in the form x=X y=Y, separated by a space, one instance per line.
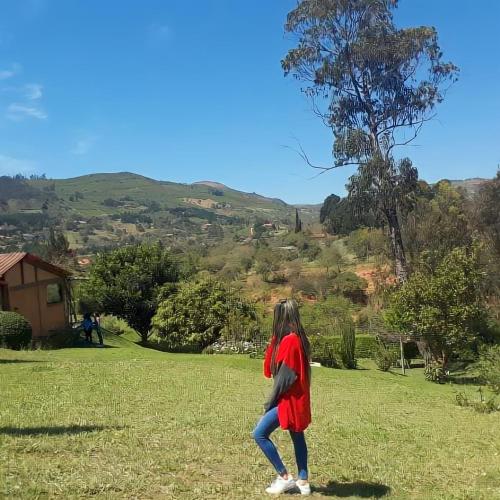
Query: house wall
x=27 y=287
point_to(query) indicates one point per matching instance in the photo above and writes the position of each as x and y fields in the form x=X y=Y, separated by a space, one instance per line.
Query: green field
x=126 y=422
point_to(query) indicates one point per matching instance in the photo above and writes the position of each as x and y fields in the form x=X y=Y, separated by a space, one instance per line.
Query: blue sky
x=188 y=91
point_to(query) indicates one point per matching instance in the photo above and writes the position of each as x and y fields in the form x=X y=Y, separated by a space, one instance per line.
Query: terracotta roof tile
x=8 y=260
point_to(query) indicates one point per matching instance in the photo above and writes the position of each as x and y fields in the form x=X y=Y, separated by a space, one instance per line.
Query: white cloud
x=12 y=166
x=18 y=112
x=5 y=74
x=33 y=91
x=83 y=145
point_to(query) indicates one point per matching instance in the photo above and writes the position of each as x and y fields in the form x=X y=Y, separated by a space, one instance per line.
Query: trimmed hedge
x=327 y=350
x=15 y=330
x=366 y=346
x=59 y=339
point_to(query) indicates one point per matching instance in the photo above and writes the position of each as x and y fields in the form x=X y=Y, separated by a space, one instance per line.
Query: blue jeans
x=266 y=425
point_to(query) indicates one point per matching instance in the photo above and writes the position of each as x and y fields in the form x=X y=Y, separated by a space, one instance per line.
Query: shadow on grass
x=53 y=431
x=464 y=380
x=85 y=345
x=360 y=489
x=9 y=361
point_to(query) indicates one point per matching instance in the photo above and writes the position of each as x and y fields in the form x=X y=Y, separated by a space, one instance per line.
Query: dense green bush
x=199 y=313
x=366 y=242
x=15 y=330
x=327 y=351
x=60 y=339
x=117 y=326
x=445 y=306
x=351 y=286
x=324 y=316
x=489 y=367
x=348 y=349
x=385 y=357
x=366 y=345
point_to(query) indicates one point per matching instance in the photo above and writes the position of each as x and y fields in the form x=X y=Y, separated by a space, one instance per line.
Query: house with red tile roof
x=35 y=289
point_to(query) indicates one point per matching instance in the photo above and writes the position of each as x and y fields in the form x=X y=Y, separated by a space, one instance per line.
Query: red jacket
x=294 y=406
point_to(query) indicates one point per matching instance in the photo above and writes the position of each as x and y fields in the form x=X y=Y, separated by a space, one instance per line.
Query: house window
x=54 y=293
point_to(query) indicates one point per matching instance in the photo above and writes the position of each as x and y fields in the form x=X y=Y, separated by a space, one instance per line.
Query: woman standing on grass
x=287 y=361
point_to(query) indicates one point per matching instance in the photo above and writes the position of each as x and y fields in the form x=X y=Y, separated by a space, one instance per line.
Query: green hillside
x=104 y=210
x=140 y=190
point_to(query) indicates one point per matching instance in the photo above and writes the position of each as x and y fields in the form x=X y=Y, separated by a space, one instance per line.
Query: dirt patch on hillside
x=375 y=276
x=208 y=203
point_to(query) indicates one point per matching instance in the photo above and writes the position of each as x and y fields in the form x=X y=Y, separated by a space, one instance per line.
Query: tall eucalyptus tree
x=375 y=86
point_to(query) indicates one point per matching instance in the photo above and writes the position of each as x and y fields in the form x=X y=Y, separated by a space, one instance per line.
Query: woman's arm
x=283 y=380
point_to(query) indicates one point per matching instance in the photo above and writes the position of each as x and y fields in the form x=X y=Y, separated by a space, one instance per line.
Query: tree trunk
x=144 y=337
x=425 y=351
x=397 y=245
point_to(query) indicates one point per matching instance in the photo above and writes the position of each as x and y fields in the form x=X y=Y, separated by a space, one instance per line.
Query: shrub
x=59 y=339
x=384 y=357
x=326 y=350
x=15 y=330
x=489 y=367
x=198 y=313
x=351 y=286
x=445 y=306
x=348 y=350
x=484 y=405
x=324 y=316
x=317 y=286
x=116 y=325
x=240 y=327
x=434 y=373
x=366 y=346
x=365 y=242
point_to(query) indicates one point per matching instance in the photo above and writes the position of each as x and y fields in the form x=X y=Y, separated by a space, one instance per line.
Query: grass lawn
x=126 y=422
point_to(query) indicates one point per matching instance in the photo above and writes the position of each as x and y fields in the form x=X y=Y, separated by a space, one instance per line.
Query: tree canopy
x=374 y=86
x=129 y=282
x=445 y=306
x=197 y=314
x=375 y=78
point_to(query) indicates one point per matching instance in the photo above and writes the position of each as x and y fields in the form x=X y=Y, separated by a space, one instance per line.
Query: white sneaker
x=305 y=488
x=280 y=485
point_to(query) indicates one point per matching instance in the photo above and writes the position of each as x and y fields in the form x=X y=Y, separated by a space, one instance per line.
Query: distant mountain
x=472 y=186
x=216 y=185
x=113 y=192
x=100 y=210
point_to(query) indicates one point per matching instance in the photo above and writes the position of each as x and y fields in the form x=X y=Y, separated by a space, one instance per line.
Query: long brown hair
x=288 y=320
x=278 y=316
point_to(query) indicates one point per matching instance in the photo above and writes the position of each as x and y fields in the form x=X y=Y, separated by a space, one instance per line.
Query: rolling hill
x=109 y=209
x=87 y=194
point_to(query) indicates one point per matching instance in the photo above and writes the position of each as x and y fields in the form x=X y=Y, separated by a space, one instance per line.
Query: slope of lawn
x=126 y=422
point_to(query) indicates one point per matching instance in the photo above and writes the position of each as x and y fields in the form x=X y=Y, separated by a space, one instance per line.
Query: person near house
x=287 y=360
x=97 y=326
x=87 y=325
